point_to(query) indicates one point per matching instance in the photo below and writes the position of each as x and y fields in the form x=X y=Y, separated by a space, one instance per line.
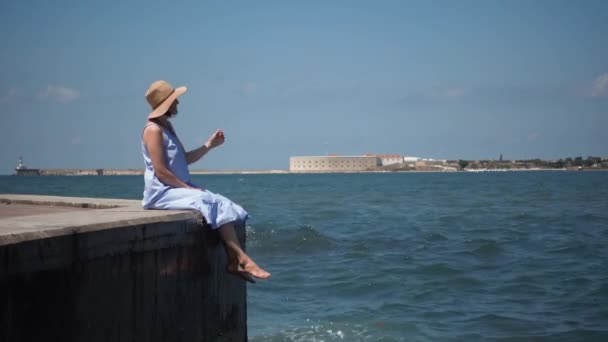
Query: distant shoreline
x=131 y=172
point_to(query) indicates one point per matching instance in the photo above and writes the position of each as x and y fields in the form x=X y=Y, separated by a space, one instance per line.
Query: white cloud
x=59 y=94
x=455 y=92
x=600 y=86
x=436 y=94
x=13 y=93
x=532 y=137
x=249 y=88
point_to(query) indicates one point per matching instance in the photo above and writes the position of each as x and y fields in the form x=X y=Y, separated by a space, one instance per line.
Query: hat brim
x=164 y=106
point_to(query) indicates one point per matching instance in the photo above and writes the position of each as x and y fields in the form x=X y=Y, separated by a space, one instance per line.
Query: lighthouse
x=22 y=170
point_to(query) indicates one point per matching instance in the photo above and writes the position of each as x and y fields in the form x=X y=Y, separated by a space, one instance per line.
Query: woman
x=167 y=179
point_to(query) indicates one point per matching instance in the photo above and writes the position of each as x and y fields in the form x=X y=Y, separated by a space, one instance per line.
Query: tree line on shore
x=572 y=163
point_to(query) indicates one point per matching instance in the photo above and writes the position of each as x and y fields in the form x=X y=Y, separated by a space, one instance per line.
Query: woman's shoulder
x=151 y=129
x=152 y=126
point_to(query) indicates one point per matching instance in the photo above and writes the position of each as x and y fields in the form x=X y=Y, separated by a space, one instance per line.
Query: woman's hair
x=160 y=123
x=167 y=115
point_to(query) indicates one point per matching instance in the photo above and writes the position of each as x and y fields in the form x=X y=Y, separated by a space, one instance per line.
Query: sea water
x=510 y=256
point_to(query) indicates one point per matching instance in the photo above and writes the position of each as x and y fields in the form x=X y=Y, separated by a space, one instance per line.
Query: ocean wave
x=438 y=269
x=358 y=250
x=501 y=323
x=435 y=237
x=304 y=239
x=465 y=283
x=573 y=247
x=485 y=248
x=525 y=290
x=320 y=331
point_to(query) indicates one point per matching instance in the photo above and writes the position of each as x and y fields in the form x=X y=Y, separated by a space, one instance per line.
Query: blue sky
x=438 y=79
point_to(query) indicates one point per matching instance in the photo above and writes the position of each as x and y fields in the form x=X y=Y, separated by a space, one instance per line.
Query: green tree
x=590 y=161
x=462 y=164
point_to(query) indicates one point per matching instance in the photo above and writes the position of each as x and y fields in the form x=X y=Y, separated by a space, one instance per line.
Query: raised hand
x=216 y=139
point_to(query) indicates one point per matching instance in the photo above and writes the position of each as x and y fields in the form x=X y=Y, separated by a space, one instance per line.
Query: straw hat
x=160 y=96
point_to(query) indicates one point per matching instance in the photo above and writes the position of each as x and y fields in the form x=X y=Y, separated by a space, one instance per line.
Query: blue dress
x=217 y=209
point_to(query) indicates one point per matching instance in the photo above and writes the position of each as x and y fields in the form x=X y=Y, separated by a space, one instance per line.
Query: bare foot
x=248 y=270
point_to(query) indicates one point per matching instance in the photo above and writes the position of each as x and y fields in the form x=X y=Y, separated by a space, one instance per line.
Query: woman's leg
x=238 y=261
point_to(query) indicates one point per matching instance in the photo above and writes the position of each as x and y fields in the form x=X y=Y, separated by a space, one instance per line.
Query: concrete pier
x=85 y=269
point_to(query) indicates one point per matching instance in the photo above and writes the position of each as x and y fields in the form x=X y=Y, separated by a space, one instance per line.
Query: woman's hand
x=216 y=139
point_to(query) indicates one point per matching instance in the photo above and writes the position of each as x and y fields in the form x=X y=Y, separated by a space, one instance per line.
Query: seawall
x=82 y=269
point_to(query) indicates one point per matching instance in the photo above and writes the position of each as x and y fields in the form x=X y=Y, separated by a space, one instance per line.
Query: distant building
x=430 y=162
x=410 y=161
x=333 y=163
x=390 y=159
x=22 y=170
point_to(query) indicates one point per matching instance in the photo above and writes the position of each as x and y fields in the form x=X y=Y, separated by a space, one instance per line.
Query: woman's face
x=173 y=109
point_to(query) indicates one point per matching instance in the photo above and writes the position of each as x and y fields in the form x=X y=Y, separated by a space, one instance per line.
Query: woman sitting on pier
x=167 y=179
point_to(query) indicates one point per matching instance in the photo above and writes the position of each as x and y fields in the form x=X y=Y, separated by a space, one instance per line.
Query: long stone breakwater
x=78 y=172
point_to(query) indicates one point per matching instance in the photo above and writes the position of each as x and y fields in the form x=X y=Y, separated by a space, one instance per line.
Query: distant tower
x=23 y=170
x=20 y=165
x=501 y=157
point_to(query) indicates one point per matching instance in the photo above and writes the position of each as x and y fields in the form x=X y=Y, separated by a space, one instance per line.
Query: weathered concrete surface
x=115 y=214
x=114 y=273
x=11 y=210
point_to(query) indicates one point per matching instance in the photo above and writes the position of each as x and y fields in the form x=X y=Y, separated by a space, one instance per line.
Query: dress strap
x=150 y=123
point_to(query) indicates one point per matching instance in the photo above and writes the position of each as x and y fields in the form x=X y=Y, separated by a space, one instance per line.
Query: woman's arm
x=215 y=140
x=153 y=138
x=194 y=155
